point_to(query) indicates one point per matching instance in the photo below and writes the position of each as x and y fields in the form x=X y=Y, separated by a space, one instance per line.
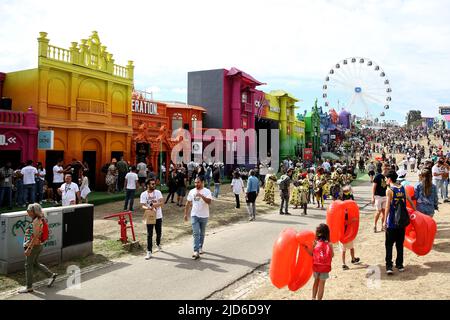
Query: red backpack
x=44 y=235
x=322 y=257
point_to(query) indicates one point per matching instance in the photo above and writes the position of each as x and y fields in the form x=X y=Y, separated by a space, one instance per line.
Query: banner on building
x=307 y=154
x=46 y=139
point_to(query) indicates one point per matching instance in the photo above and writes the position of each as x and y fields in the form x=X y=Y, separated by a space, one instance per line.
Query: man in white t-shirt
x=69 y=192
x=131 y=184
x=412 y=163
x=29 y=182
x=58 y=180
x=152 y=199
x=198 y=201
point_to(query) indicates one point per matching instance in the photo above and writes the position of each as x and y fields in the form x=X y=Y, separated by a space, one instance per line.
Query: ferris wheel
x=359 y=83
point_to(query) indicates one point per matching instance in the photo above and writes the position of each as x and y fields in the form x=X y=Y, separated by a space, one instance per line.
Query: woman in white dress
x=84 y=187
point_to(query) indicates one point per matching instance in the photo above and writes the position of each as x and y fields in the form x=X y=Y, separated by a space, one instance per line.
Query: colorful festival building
x=83 y=98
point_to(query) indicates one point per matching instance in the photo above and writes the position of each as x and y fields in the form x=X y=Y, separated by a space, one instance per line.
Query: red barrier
x=291 y=264
x=420 y=233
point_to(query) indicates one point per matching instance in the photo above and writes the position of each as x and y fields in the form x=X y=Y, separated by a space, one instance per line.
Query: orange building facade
x=84 y=97
x=153 y=124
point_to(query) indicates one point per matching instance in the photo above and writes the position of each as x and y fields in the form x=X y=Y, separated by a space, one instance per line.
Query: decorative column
x=236 y=101
x=43 y=44
x=284 y=143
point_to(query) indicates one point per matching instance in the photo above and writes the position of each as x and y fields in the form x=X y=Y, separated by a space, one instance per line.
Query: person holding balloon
x=322 y=255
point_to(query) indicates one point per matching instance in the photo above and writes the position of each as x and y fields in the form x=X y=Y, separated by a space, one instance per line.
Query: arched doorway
x=92 y=154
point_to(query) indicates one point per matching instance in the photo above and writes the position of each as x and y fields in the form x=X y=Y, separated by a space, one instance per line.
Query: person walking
x=284 y=184
x=33 y=246
x=198 y=202
x=131 y=184
x=216 y=178
x=69 y=192
x=152 y=200
x=379 y=187
x=172 y=184
x=84 y=187
x=6 y=183
x=252 y=194
x=181 y=186
x=395 y=233
x=426 y=194
x=58 y=180
x=29 y=182
x=438 y=181
x=142 y=174
x=111 y=176
x=208 y=175
x=18 y=186
x=237 y=185
x=122 y=170
x=40 y=181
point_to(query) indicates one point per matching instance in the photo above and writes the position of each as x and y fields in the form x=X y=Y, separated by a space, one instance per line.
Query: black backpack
x=401 y=218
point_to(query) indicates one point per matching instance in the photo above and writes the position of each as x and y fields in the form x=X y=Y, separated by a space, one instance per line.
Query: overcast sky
x=289 y=45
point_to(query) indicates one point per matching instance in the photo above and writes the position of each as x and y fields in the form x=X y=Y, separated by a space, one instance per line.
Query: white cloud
x=290 y=44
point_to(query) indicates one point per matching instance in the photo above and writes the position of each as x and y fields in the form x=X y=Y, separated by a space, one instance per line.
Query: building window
x=244 y=97
x=177 y=121
x=196 y=124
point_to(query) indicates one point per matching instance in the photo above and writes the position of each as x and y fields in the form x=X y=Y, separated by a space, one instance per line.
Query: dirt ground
x=222 y=212
x=425 y=277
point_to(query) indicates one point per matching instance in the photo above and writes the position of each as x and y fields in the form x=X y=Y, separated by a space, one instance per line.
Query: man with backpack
x=397 y=219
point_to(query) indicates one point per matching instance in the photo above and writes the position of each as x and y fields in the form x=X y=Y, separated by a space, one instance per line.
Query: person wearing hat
x=111 y=176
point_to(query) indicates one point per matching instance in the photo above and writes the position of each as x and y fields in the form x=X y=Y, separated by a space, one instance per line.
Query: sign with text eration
x=46 y=139
x=307 y=154
x=144 y=106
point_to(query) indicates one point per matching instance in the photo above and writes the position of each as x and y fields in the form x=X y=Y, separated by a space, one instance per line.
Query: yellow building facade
x=81 y=95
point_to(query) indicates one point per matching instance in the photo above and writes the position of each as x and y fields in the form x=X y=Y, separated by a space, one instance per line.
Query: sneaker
x=288 y=214
x=389 y=271
x=52 y=280
x=159 y=247
x=401 y=268
x=355 y=261
x=250 y=219
x=345 y=267
x=149 y=255
x=281 y=212
x=26 y=290
x=375 y=229
x=195 y=255
x=200 y=251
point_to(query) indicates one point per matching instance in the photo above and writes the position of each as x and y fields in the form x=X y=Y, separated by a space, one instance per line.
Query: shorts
x=321 y=275
x=380 y=202
x=345 y=246
x=142 y=180
x=251 y=198
x=181 y=191
x=371 y=173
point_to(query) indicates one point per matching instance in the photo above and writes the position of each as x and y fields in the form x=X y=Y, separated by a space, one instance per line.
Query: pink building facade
x=18 y=136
